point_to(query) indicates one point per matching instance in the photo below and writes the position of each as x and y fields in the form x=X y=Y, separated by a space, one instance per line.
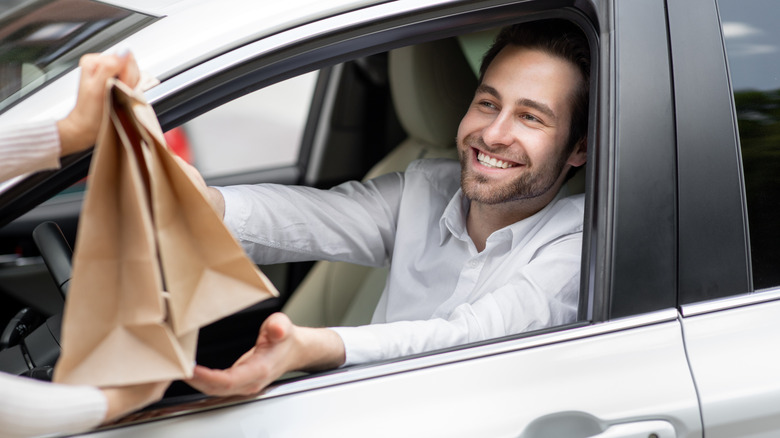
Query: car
x=679 y=307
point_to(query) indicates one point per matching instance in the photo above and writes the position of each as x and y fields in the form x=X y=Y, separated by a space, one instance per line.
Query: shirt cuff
x=360 y=345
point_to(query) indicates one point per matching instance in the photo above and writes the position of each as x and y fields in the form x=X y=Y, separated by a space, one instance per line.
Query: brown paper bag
x=152 y=263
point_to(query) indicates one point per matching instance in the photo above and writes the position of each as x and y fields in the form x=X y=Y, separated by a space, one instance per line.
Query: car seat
x=432 y=86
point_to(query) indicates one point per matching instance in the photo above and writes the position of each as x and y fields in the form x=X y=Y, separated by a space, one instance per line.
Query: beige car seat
x=432 y=86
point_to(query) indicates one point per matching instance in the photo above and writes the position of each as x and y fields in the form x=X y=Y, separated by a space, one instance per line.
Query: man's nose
x=499 y=131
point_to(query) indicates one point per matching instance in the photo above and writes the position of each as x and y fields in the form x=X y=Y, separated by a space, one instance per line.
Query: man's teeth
x=492 y=162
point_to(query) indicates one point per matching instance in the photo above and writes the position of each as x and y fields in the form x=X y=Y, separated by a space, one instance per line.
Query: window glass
x=42 y=39
x=753 y=49
x=261 y=130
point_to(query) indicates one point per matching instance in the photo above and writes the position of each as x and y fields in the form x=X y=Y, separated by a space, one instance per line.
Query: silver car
x=679 y=309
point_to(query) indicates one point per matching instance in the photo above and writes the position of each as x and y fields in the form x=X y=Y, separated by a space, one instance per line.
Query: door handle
x=575 y=424
x=640 y=429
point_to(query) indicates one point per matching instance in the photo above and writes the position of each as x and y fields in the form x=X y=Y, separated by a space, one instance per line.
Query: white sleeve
x=546 y=295
x=353 y=222
x=30 y=407
x=28 y=148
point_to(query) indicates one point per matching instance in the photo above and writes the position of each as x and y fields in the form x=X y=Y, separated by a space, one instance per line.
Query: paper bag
x=152 y=263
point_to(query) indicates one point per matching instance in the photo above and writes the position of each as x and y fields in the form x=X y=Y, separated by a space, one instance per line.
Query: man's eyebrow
x=535 y=104
x=539 y=106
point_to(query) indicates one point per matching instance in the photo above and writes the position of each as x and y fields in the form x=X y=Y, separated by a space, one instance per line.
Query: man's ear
x=579 y=155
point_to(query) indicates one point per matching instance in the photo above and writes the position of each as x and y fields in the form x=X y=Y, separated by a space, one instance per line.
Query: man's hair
x=559 y=38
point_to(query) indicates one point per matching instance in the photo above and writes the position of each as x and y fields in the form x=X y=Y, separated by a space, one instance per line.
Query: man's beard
x=531 y=183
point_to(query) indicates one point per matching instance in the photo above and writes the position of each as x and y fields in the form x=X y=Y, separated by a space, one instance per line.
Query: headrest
x=432 y=86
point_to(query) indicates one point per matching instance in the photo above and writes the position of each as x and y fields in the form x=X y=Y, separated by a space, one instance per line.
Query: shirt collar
x=526 y=229
x=453 y=220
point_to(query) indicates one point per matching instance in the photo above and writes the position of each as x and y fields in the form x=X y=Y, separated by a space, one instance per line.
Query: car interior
x=390 y=109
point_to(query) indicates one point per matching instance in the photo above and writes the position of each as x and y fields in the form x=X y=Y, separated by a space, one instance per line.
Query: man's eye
x=486 y=104
x=530 y=118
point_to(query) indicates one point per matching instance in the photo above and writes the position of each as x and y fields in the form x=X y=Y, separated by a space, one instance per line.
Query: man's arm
x=353 y=222
x=213 y=196
x=513 y=308
x=281 y=347
x=544 y=294
x=216 y=200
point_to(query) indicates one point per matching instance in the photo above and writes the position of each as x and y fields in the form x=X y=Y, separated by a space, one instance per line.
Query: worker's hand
x=79 y=129
x=123 y=400
x=280 y=347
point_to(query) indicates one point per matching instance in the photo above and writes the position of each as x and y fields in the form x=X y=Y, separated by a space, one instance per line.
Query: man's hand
x=213 y=195
x=79 y=129
x=280 y=347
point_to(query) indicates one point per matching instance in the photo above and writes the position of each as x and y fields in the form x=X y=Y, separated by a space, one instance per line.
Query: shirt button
x=473 y=263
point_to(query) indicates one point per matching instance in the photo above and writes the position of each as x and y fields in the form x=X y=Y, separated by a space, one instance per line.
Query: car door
x=732 y=92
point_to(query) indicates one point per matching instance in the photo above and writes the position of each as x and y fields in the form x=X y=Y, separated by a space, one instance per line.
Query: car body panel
x=735 y=366
x=649 y=356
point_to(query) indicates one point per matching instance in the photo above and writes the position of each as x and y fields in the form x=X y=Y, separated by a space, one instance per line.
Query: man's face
x=512 y=140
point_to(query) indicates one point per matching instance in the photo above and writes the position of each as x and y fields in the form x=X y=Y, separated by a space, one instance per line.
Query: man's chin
x=477 y=188
x=493 y=178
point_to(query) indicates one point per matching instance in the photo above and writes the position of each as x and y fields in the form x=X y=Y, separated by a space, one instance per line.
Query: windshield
x=43 y=39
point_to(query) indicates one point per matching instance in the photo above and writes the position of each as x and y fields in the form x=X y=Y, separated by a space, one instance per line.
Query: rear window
x=43 y=39
x=753 y=49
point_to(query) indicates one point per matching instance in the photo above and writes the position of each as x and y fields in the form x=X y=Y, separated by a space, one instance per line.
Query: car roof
x=186 y=33
x=196 y=30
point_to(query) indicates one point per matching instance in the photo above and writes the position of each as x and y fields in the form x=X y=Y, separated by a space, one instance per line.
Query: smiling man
x=519 y=134
x=478 y=249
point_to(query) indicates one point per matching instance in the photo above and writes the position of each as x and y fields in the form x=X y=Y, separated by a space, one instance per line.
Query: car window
x=258 y=131
x=42 y=39
x=753 y=50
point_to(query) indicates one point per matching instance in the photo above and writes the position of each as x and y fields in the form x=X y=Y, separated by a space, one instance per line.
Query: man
x=494 y=252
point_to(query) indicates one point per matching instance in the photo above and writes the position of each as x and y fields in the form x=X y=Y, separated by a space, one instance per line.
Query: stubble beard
x=531 y=183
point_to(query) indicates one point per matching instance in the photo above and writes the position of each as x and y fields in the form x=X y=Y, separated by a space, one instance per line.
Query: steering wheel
x=56 y=253
x=28 y=345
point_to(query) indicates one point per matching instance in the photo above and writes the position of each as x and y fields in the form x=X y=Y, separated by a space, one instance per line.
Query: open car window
x=262 y=130
x=354 y=114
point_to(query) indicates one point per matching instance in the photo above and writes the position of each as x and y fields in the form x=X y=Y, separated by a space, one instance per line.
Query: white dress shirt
x=441 y=291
